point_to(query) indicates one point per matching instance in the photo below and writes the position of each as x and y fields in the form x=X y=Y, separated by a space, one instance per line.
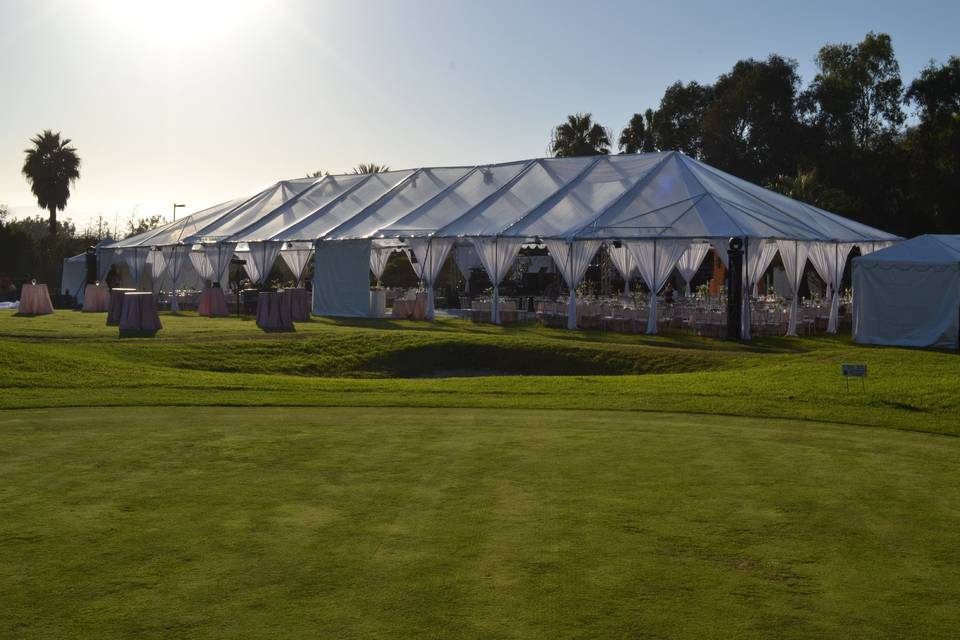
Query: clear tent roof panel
x=340 y=210
x=181 y=229
x=255 y=209
x=457 y=201
x=297 y=209
x=780 y=211
x=417 y=190
x=587 y=196
x=536 y=184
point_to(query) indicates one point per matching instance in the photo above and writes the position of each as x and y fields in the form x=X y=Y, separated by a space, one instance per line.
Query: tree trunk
x=53 y=221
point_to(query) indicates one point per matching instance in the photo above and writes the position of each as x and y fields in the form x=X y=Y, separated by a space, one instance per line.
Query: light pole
x=175 y=207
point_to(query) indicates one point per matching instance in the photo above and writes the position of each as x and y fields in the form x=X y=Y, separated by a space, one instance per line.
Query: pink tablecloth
x=116 y=305
x=213 y=303
x=300 y=304
x=35 y=300
x=274 y=312
x=96 y=298
x=139 y=314
x=413 y=309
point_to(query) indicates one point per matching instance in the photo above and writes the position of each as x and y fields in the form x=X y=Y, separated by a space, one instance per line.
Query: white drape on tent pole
x=829 y=259
x=623 y=261
x=263 y=254
x=135 y=258
x=720 y=247
x=655 y=259
x=793 y=253
x=219 y=257
x=757 y=257
x=202 y=264
x=176 y=258
x=689 y=263
x=572 y=259
x=497 y=256
x=297 y=258
x=378 y=260
x=430 y=253
x=158 y=264
x=467 y=260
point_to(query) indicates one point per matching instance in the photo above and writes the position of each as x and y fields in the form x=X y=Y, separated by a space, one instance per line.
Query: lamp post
x=175 y=207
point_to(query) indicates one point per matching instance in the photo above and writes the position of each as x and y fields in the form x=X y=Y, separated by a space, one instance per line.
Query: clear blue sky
x=202 y=100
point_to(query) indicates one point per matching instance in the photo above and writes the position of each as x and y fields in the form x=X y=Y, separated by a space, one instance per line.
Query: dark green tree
x=678 y=123
x=856 y=95
x=579 y=136
x=751 y=126
x=51 y=167
x=637 y=136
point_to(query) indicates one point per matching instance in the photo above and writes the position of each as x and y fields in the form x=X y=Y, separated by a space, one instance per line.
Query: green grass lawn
x=217 y=482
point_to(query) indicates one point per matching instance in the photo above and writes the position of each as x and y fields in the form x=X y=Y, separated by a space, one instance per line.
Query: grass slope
x=71 y=359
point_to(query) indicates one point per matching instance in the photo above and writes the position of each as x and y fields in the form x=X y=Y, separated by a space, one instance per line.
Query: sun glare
x=180 y=21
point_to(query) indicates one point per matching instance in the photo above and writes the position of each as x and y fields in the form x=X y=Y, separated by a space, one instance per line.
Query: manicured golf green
x=359 y=523
x=665 y=489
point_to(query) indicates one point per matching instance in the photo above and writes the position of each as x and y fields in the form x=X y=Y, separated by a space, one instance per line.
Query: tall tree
x=579 y=136
x=678 y=122
x=638 y=134
x=51 y=167
x=856 y=95
x=751 y=127
x=933 y=146
x=370 y=168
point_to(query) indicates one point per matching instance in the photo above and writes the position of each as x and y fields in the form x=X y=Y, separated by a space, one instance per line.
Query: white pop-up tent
x=909 y=294
x=656 y=207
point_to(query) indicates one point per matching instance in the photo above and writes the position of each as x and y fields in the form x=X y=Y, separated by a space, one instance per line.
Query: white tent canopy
x=909 y=294
x=663 y=196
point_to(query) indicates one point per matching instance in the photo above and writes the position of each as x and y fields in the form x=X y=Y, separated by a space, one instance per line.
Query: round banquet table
x=299 y=304
x=35 y=300
x=116 y=305
x=139 y=314
x=96 y=298
x=213 y=303
x=274 y=311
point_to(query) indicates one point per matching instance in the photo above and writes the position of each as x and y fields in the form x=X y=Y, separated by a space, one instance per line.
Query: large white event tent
x=909 y=294
x=654 y=211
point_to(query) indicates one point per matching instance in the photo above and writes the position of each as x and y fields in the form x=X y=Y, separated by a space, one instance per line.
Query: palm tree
x=579 y=136
x=805 y=186
x=51 y=166
x=370 y=168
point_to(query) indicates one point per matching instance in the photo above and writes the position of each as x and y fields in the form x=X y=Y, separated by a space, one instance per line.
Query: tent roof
x=926 y=249
x=629 y=196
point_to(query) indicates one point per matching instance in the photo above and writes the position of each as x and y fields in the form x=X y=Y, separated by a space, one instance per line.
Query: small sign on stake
x=854 y=371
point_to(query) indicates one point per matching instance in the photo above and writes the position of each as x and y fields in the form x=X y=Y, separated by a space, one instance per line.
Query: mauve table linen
x=96 y=298
x=35 y=300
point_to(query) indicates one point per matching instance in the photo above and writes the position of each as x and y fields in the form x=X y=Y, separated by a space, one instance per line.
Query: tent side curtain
x=497 y=256
x=260 y=258
x=430 y=254
x=793 y=254
x=297 y=258
x=689 y=263
x=829 y=259
x=572 y=260
x=655 y=260
x=219 y=256
x=176 y=258
x=759 y=255
x=379 y=256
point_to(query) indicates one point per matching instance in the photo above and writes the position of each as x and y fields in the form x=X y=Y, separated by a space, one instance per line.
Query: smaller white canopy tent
x=909 y=294
x=74 y=276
